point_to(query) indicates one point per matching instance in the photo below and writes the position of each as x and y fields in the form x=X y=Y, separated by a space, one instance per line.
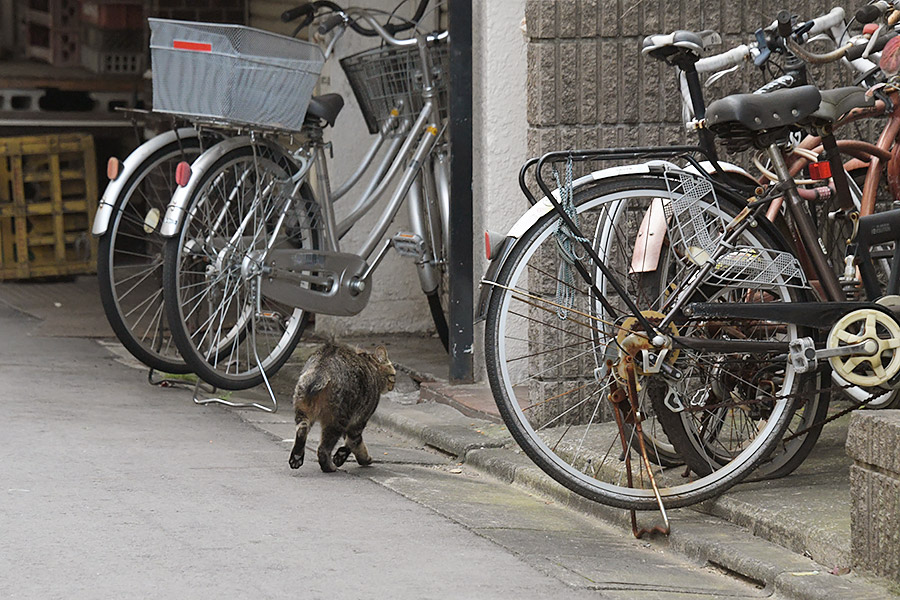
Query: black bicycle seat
x=661 y=46
x=325 y=107
x=838 y=102
x=758 y=112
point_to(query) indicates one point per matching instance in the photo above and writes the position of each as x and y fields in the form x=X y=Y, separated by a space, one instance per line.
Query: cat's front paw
x=296 y=460
x=340 y=456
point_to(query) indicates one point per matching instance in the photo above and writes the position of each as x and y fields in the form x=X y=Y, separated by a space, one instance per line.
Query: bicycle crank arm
x=805 y=357
x=318 y=281
x=820 y=315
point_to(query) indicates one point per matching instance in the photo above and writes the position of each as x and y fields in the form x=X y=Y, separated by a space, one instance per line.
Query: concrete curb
x=705 y=538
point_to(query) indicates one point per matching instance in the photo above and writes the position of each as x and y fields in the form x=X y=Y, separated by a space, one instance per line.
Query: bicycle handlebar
x=310 y=8
x=858 y=50
x=827 y=21
x=330 y=23
x=382 y=31
x=872 y=12
x=297 y=12
x=724 y=60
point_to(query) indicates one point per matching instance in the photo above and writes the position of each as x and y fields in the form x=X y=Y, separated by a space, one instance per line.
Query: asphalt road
x=110 y=488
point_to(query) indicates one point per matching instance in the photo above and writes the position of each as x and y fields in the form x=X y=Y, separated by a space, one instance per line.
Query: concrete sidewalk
x=791 y=535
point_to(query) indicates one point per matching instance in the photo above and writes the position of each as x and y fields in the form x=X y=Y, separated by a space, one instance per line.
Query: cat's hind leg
x=357 y=446
x=299 y=449
x=330 y=437
x=340 y=456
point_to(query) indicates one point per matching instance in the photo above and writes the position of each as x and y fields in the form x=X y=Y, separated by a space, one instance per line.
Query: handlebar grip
x=330 y=23
x=857 y=51
x=295 y=13
x=826 y=22
x=784 y=23
x=724 y=60
x=871 y=12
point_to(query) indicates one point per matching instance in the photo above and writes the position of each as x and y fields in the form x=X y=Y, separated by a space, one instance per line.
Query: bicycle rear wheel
x=129 y=264
x=213 y=266
x=548 y=338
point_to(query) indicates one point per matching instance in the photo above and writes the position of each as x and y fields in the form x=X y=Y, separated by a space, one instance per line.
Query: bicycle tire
x=129 y=263
x=558 y=390
x=211 y=302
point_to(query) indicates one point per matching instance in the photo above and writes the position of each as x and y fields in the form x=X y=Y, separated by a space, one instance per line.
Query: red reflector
x=820 y=170
x=487 y=245
x=195 y=46
x=870 y=28
x=113 y=168
x=182 y=173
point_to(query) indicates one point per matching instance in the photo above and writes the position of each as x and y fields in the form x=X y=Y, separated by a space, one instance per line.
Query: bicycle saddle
x=758 y=112
x=325 y=107
x=661 y=46
x=838 y=102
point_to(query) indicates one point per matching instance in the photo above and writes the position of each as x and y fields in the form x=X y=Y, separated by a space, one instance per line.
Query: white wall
x=500 y=126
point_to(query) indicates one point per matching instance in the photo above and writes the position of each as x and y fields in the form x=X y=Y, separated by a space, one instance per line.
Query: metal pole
x=461 y=237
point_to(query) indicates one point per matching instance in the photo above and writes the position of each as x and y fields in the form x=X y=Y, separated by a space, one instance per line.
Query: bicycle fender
x=541 y=208
x=175 y=212
x=134 y=160
x=648 y=243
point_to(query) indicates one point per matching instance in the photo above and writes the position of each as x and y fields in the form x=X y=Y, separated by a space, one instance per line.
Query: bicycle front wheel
x=549 y=337
x=130 y=258
x=240 y=207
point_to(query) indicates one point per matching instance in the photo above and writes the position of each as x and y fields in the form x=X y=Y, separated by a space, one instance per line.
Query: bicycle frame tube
x=442 y=187
x=414 y=135
x=428 y=138
x=367 y=160
x=368 y=199
x=332 y=241
x=809 y=236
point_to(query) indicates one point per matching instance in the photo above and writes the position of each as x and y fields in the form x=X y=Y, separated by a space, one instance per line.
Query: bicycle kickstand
x=618 y=397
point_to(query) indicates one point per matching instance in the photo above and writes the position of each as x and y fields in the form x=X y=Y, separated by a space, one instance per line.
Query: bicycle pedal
x=409 y=244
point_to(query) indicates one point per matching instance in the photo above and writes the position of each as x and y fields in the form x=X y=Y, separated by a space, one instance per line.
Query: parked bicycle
x=252 y=249
x=582 y=347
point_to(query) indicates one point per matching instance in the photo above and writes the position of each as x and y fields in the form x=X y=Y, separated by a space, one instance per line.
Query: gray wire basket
x=695 y=229
x=382 y=78
x=232 y=74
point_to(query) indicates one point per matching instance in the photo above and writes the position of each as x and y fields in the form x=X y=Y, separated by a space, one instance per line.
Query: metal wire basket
x=232 y=73
x=386 y=78
x=694 y=228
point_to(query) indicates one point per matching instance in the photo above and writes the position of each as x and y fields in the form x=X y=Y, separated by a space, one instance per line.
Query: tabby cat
x=339 y=388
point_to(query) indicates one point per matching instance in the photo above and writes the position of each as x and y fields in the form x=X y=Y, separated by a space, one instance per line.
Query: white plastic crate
x=232 y=73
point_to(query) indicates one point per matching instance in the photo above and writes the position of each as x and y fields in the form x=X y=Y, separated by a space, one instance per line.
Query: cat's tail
x=312 y=382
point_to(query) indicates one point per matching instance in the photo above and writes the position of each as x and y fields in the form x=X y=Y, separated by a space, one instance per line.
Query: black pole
x=461 y=237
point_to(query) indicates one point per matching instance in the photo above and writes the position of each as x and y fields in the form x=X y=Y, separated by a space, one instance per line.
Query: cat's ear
x=381 y=354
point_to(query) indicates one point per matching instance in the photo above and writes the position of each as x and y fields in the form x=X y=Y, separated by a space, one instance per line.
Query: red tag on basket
x=195 y=46
x=820 y=170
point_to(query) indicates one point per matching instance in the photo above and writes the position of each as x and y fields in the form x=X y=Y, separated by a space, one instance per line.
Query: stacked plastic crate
x=112 y=37
x=50 y=30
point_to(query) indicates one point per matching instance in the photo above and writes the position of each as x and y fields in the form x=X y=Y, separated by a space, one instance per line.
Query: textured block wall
x=872 y=442
x=589 y=86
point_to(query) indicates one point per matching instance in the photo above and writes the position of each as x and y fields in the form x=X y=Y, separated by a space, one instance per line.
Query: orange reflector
x=182 y=173
x=820 y=170
x=113 y=168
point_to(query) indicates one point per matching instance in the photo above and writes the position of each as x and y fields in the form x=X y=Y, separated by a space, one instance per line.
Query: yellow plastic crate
x=48 y=196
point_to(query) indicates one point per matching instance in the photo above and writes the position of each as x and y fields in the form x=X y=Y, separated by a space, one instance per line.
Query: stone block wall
x=589 y=86
x=872 y=442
